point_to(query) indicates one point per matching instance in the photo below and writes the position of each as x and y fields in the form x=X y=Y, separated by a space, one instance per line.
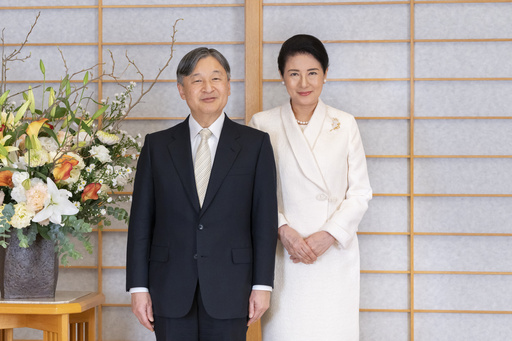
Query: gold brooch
x=335 y=124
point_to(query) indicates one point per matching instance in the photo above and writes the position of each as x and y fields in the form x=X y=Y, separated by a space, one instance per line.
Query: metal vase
x=28 y=272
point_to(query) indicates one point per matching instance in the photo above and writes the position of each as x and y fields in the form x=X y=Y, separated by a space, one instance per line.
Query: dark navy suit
x=225 y=247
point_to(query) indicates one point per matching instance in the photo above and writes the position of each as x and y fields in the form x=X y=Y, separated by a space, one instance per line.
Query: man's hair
x=302 y=44
x=189 y=61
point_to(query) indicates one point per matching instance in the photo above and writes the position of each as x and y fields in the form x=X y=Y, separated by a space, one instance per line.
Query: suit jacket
x=227 y=246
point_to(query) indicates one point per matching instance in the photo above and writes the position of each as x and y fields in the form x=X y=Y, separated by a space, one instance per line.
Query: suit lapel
x=227 y=151
x=302 y=143
x=181 y=155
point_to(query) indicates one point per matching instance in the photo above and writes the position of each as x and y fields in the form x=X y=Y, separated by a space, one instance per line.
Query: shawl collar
x=303 y=143
x=181 y=154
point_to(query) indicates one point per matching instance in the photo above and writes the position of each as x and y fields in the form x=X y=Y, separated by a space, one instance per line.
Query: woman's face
x=304 y=79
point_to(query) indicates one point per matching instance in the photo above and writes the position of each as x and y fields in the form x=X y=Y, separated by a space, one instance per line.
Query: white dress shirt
x=213 y=142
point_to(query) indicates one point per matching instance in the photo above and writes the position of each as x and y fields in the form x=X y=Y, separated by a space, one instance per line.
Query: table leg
x=6 y=335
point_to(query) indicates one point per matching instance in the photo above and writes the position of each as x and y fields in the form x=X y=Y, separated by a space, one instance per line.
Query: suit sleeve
x=344 y=222
x=141 y=222
x=264 y=216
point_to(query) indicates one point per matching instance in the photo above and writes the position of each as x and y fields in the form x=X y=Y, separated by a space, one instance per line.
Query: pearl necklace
x=302 y=123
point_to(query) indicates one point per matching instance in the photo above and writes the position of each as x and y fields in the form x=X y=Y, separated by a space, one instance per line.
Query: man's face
x=206 y=89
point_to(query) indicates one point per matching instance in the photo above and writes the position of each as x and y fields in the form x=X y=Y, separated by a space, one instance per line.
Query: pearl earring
x=282 y=82
x=325 y=81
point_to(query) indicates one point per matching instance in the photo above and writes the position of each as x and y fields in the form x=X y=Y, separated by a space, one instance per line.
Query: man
x=203 y=226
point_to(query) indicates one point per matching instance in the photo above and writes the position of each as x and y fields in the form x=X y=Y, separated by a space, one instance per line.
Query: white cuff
x=262 y=287
x=138 y=289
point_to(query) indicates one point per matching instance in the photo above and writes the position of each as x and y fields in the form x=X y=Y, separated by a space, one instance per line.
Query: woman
x=323 y=192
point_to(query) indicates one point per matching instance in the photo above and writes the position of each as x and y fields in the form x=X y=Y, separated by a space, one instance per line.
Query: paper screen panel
x=338 y=22
x=463 y=214
x=463 y=292
x=381 y=252
x=385 y=291
x=463 y=98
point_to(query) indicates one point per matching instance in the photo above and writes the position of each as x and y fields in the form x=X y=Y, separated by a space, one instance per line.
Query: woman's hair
x=302 y=44
x=189 y=61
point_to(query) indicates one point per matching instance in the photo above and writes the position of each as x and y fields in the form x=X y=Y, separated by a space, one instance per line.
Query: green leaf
x=21 y=111
x=3 y=98
x=60 y=112
x=41 y=66
x=3 y=151
x=86 y=78
x=99 y=112
x=43 y=231
x=85 y=127
x=50 y=132
x=63 y=83
x=68 y=89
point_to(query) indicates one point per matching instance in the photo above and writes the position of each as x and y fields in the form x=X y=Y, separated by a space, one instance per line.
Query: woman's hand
x=320 y=242
x=296 y=246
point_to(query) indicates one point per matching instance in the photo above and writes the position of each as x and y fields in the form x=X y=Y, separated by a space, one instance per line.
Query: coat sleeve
x=264 y=216
x=344 y=223
x=140 y=228
x=281 y=219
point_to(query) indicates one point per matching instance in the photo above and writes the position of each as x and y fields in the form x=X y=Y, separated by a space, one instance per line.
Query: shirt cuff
x=138 y=289
x=262 y=287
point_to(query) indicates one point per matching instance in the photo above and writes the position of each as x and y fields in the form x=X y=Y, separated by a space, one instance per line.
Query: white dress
x=322 y=185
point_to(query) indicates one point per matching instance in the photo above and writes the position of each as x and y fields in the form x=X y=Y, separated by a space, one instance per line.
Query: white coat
x=322 y=185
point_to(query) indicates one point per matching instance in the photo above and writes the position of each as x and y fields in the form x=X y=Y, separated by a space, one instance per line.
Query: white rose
x=84 y=139
x=18 y=178
x=101 y=153
x=49 y=144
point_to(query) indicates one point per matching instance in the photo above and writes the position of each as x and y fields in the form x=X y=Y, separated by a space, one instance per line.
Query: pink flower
x=36 y=197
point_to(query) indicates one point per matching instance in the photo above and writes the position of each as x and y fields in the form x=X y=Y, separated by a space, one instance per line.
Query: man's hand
x=296 y=246
x=320 y=242
x=143 y=309
x=258 y=305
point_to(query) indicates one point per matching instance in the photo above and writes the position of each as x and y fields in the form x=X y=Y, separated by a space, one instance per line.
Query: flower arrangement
x=60 y=166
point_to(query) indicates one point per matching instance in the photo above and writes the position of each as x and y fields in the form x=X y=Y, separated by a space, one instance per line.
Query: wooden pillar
x=253 y=84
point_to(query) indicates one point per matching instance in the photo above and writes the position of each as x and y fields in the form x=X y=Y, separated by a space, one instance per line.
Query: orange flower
x=32 y=132
x=6 y=178
x=63 y=167
x=91 y=191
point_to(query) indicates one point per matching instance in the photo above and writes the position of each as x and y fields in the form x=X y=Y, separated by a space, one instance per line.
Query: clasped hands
x=305 y=250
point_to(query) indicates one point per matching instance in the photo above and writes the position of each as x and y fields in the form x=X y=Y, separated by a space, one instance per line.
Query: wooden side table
x=71 y=315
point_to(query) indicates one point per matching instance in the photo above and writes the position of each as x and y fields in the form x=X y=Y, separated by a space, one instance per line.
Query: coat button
x=196 y=256
x=321 y=197
x=200 y=227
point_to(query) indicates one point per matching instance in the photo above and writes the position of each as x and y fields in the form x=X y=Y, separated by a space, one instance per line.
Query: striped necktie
x=203 y=165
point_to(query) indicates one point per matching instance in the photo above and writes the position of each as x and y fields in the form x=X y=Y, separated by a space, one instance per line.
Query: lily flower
x=91 y=191
x=56 y=205
x=63 y=167
x=5 y=150
x=32 y=132
x=6 y=179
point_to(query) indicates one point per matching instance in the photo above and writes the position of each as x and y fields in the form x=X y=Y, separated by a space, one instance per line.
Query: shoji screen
x=430 y=83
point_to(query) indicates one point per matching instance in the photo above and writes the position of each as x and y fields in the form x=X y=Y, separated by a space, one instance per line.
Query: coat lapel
x=181 y=155
x=302 y=143
x=227 y=151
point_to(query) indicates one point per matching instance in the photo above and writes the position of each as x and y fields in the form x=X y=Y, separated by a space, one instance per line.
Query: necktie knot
x=205 y=134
